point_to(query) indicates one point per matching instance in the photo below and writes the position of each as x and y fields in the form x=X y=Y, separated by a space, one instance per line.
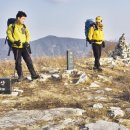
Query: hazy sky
x=65 y=18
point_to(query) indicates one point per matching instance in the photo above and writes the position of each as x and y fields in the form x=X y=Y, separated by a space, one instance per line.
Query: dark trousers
x=20 y=53
x=97 y=48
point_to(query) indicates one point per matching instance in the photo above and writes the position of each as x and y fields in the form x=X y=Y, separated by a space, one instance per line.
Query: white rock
x=94 y=85
x=70 y=71
x=104 y=78
x=53 y=71
x=128 y=110
x=98 y=106
x=100 y=91
x=90 y=97
x=14 y=94
x=108 y=89
x=29 y=78
x=67 y=74
x=18 y=90
x=44 y=77
x=104 y=125
x=82 y=78
x=100 y=98
x=62 y=124
x=56 y=76
x=28 y=117
x=113 y=63
x=116 y=112
x=66 y=84
x=80 y=73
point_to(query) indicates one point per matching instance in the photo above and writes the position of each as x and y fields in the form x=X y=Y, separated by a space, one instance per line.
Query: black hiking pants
x=97 y=48
x=20 y=53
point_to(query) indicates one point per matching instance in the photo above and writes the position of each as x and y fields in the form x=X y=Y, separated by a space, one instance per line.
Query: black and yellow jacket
x=96 y=34
x=18 y=32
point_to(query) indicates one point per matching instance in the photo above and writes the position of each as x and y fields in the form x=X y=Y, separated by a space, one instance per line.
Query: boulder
x=116 y=112
x=104 y=125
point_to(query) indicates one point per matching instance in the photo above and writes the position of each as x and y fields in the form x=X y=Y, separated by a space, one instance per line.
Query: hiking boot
x=100 y=69
x=95 y=68
x=35 y=77
x=20 y=78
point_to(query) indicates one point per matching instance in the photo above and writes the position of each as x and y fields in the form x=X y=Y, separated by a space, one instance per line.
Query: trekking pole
x=86 y=42
x=15 y=62
x=9 y=51
x=92 y=58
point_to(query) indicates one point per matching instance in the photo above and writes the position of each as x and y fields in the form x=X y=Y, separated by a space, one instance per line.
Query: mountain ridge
x=50 y=46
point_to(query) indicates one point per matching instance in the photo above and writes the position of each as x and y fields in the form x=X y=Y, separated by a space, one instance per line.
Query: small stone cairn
x=122 y=49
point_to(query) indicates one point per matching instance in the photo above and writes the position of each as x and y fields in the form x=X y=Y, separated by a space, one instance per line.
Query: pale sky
x=66 y=18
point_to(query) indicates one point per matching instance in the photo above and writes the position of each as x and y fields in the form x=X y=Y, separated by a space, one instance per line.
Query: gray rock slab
x=104 y=125
x=26 y=117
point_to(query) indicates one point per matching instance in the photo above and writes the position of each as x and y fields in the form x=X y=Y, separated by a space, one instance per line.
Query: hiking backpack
x=89 y=23
x=9 y=22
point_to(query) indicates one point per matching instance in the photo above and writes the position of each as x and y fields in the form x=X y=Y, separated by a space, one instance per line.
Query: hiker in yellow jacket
x=96 y=38
x=19 y=37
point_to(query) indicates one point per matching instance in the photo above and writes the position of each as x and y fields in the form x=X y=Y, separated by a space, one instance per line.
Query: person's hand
x=103 y=44
x=17 y=43
x=87 y=40
x=26 y=45
x=90 y=42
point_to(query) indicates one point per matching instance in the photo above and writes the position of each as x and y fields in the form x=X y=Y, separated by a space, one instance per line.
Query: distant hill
x=57 y=46
x=51 y=46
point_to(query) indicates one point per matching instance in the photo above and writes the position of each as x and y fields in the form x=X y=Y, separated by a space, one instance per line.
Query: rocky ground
x=79 y=99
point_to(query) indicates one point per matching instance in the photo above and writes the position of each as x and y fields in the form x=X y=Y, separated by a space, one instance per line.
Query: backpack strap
x=94 y=26
x=24 y=26
x=13 y=27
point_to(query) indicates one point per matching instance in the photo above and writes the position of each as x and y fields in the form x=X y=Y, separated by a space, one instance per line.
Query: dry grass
x=54 y=62
x=50 y=94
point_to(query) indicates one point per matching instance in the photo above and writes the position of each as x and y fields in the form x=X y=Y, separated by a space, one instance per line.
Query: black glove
x=89 y=41
x=27 y=47
x=103 y=44
x=17 y=43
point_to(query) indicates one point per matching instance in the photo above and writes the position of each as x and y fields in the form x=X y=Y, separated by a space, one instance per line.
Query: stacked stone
x=122 y=50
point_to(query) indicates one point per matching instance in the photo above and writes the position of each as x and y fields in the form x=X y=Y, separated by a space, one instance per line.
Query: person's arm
x=27 y=35
x=103 y=43
x=10 y=34
x=27 y=44
x=90 y=33
x=103 y=36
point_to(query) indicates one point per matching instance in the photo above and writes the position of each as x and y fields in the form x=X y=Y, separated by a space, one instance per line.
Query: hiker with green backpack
x=95 y=37
x=18 y=38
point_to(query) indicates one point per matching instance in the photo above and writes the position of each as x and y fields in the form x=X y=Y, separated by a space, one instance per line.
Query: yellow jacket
x=96 y=35
x=20 y=33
